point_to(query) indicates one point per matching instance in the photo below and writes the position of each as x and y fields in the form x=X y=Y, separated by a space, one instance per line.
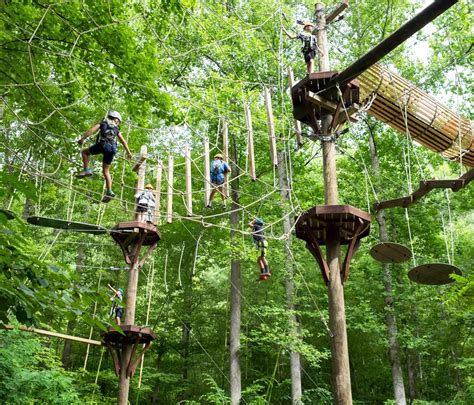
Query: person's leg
x=107 y=177
x=86 y=158
x=213 y=191
x=310 y=66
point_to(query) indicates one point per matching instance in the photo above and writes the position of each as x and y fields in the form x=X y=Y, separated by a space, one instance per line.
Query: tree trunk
x=390 y=318
x=295 y=361
x=235 y=304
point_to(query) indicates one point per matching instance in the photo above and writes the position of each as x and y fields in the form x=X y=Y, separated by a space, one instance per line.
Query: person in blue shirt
x=310 y=44
x=262 y=247
x=219 y=171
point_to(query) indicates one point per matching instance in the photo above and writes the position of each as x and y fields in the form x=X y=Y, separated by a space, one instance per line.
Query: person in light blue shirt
x=219 y=171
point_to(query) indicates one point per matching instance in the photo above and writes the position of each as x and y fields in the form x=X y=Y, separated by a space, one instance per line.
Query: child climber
x=117 y=307
x=219 y=171
x=107 y=146
x=145 y=201
x=310 y=44
x=262 y=247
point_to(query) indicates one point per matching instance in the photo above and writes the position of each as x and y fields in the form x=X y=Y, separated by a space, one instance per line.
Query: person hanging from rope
x=145 y=201
x=310 y=44
x=219 y=171
x=262 y=247
x=107 y=146
x=117 y=306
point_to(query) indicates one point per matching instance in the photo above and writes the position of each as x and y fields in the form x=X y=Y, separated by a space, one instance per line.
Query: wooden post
x=341 y=380
x=159 y=174
x=251 y=155
x=291 y=83
x=271 y=126
x=225 y=148
x=187 y=174
x=169 y=208
x=131 y=298
x=207 y=173
x=140 y=167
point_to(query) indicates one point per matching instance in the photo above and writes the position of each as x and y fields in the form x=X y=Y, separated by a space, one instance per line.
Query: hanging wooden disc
x=433 y=273
x=9 y=214
x=389 y=252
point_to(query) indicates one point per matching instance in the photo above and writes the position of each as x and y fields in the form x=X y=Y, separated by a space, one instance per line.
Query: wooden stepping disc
x=9 y=214
x=433 y=273
x=389 y=252
x=67 y=225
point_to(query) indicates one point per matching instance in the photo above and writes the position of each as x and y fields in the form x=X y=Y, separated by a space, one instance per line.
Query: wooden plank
x=251 y=155
x=169 y=207
x=225 y=149
x=141 y=170
x=67 y=225
x=53 y=334
x=159 y=175
x=297 y=124
x=271 y=126
x=338 y=10
x=141 y=159
x=187 y=175
x=207 y=172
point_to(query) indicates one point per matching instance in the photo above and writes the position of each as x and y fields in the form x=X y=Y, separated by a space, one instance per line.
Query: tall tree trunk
x=66 y=355
x=411 y=366
x=390 y=318
x=295 y=361
x=235 y=304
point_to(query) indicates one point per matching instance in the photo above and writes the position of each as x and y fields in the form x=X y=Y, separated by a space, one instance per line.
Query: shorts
x=262 y=249
x=217 y=182
x=309 y=56
x=107 y=149
x=119 y=313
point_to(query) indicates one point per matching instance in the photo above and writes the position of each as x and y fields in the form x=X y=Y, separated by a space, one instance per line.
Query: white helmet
x=115 y=114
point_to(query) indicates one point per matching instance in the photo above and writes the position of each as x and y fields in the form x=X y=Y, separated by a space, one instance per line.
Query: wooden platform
x=336 y=222
x=433 y=273
x=131 y=335
x=311 y=101
x=9 y=214
x=132 y=235
x=67 y=225
x=389 y=252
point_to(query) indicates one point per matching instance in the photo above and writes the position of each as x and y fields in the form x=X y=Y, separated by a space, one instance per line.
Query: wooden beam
x=271 y=126
x=53 y=334
x=159 y=175
x=225 y=149
x=141 y=159
x=141 y=170
x=332 y=106
x=297 y=124
x=207 y=171
x=169 y=208
x=337 y=11
x=187 y=175
x=250 y=151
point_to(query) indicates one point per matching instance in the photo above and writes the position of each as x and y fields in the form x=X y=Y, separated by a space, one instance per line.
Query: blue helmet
x=258 y=221
x=121 y=291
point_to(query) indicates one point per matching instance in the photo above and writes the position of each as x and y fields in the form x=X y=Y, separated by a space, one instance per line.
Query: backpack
x=217 y=168
x=108 y=131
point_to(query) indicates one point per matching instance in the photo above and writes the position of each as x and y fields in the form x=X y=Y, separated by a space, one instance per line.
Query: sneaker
x=108 y=196
x=84 y=173
x=208 y=206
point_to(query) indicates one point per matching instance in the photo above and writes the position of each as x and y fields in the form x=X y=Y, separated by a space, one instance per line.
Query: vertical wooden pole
x=159 y=175
x=341 y=380
x=271 y=126
x=225 y=148
x=169 y=208
x=251 y=155
x=187 y=175
x=141 y=179
x=207 y=173
x=291 y=83
x=131 y=298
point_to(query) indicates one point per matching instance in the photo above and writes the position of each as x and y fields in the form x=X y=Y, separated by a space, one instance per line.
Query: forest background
x=182 y=68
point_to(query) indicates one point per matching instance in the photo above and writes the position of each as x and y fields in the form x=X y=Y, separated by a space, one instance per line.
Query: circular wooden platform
x=126 y=232
x=131 y=333
x=433 y=273
x=389 y=252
